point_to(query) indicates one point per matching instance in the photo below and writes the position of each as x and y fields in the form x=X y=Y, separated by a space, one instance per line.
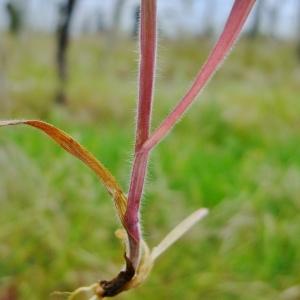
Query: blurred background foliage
x=236 y=152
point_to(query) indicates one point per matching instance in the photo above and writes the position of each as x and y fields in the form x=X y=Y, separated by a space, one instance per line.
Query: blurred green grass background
x=236 y=152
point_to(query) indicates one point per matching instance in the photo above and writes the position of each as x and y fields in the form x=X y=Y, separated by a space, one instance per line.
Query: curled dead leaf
x=76 y=149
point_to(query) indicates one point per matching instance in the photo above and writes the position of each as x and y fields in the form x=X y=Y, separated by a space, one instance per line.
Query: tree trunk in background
x=136 y=19
x=274 y=15
x=298 y=31
x=209 y=17
x=117 y=14
x=188 y=4
x=63 y=36
x=14 y=16
x=114 y=30
x=258 y=15
x=3 y=84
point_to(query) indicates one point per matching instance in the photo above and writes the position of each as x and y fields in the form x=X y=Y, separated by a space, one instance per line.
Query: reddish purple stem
x=145 y=144
x=146 y=83
x=147 y=70
x=233 y=27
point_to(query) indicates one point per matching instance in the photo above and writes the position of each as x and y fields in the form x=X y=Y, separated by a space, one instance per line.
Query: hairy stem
x=147 y=70
x=146 y=83
x=233 y=27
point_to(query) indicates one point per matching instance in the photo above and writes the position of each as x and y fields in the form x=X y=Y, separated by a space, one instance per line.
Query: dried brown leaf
x=77 y=150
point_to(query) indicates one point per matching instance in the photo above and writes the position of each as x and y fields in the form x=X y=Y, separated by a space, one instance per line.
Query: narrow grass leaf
x=232 y=29
x=178 y=232
x=77 y=150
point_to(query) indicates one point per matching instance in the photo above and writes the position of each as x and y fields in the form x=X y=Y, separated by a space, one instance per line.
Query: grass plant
x=242 y=216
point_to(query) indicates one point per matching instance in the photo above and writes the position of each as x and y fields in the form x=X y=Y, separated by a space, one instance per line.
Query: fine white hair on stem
x=178 y=232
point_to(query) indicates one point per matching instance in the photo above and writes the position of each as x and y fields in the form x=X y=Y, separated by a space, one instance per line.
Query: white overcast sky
x=175 y=18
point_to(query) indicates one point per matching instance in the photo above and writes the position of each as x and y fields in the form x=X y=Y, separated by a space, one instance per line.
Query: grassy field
x=237 y=152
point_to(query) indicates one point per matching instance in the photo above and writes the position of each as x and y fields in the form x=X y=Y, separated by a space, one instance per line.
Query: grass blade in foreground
x=178 y=232
x=149 y=257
